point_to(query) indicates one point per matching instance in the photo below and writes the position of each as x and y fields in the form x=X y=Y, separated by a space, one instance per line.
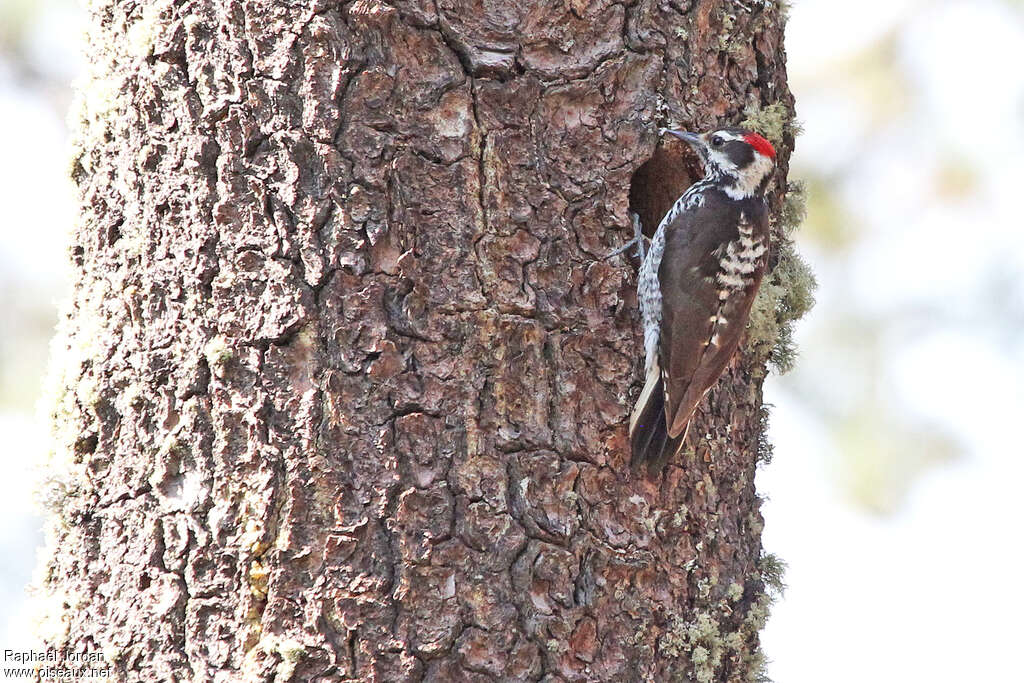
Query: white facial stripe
x=722 y=161
x=747 y=181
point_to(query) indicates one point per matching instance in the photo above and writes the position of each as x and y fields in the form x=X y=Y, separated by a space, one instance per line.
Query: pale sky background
x=896 y=486
x=893 y=494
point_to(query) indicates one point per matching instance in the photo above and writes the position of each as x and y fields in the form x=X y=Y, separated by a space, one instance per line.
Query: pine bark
x=343 y=389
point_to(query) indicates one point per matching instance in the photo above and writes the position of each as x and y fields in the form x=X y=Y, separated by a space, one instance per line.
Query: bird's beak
x=691 y=139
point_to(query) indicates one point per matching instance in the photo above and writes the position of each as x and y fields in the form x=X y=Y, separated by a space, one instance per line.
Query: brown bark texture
x=343 y=388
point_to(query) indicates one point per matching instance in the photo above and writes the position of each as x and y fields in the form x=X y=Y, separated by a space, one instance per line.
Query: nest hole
x=660 y=180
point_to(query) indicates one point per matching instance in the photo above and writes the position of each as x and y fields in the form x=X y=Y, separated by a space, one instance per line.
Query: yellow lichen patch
x=217 y=353
x=252 y=537
x=143 y=33
x=258 y=579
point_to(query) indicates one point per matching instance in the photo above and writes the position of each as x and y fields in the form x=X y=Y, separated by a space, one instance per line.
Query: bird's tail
x=648 y=428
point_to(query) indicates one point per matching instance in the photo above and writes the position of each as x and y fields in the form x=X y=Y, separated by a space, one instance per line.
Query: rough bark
x=342 y=392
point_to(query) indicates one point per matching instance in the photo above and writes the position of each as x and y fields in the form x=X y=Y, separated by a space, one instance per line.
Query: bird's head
x=741 y=159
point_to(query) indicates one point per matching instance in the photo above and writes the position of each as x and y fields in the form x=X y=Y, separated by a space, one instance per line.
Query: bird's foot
x=621 y=249
x=638 y=240
x=638 y=235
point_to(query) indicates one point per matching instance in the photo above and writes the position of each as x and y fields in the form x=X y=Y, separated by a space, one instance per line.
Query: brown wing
x=700 y=330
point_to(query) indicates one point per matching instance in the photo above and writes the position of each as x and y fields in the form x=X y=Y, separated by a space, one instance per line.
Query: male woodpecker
x=697 y=283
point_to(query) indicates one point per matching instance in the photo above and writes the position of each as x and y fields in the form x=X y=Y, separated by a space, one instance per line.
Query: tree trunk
x=344 y=386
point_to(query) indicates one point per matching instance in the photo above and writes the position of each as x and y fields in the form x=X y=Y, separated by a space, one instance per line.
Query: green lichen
x=794 y=207
x=641 y=640
x=743 y=641
x=679 y=518
x=737 y=47
x=734 y=641
x=765 y=448
x=755 y=523
x=773 y=121
x=289 y=650
x=724 y=635
x=786 y=294
x=757 y=667
x=773 y=570
x=648 y=520
x=556 y=646
x=757 y=617
x=752 y=659
x=725 y=37
x=702 y=640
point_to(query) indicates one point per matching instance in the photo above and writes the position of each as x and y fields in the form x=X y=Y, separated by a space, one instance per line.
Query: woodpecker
x=696 y=284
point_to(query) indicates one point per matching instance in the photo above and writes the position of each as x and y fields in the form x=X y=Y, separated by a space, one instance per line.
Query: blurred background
x=894 y=493
x=40 y=42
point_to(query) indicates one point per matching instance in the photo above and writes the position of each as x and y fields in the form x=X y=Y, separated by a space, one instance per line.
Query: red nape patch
x=760 y=144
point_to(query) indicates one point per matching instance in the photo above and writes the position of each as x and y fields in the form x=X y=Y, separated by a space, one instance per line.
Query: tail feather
x=648 y=428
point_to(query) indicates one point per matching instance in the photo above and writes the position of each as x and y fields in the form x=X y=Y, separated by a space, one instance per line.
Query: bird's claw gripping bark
x=638 y=235
x=638 y=240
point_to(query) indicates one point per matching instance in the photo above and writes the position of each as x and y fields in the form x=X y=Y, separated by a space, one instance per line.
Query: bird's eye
x=716 y=140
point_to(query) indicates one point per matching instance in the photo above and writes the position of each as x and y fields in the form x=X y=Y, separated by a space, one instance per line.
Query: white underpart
x=649 y=290
x=648 y=286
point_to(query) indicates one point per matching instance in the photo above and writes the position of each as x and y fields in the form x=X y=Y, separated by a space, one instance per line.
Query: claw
x=621 y=249
x=638 y=236
x=638 y=240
